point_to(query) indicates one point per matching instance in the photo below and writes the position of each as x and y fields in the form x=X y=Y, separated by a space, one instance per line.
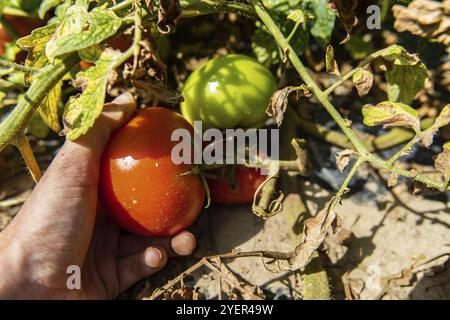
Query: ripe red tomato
x=23 y=25
x=4 y=39
x=140 y=186
x=248 y=180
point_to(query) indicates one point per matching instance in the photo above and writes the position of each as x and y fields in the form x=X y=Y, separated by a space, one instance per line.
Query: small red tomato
x=247 y=182
x=140 y=186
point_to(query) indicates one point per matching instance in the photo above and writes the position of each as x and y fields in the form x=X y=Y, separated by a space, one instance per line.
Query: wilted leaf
x=330 y=62
x=81 y=29
x=444 y=117
x=168 y=14
x=346 y=11
x=442 y=163
x=343 y=159
x=315 y=230
x=391 y=114
x=35 y=45
x=363 y=81
x=424 y=18
x=405 y=73
x=278 y=104
x=446 y=145
x=81 y=111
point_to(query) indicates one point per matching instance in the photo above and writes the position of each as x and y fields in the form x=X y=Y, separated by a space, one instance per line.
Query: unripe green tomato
x=227 y=92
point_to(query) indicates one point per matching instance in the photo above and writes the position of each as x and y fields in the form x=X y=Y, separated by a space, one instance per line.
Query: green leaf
x=47 y=5
x=391 y=114
x=446 y=145
x=359 y=47
x=297 y=15
x=405 y=73
x=81 y=111
x=324 y=23
x=81 y=29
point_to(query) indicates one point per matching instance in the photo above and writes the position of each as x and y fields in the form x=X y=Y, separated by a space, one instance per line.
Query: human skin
x=61 y=225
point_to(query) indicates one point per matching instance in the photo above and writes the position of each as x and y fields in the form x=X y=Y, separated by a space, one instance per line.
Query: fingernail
x=124 y=98
x=184 y=244
x=153 y=258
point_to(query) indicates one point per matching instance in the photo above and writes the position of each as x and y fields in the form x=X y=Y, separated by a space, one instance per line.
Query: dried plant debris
x=425 y=18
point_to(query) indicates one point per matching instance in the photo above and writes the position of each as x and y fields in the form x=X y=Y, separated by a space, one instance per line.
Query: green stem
x=349 y=178
x=338 y=83
x=402 y=151
x=9 y=64
x=192 y=8
x=300 y=68
x=44 y=81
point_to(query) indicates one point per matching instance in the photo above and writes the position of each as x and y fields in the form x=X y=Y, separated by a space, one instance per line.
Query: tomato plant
x=140 y=186
x=227 y=92
x=240 y=191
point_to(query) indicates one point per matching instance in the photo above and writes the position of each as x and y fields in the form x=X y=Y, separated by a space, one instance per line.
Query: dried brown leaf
x=168 y=14
x=343 y=159
x=330 y=62
x=278 y=104
x=442 y=163
x=315 y=230
x=424 y=18
x=392 y=180
x=346 y=11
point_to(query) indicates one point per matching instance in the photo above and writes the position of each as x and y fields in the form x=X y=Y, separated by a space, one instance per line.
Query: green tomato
x=227 y=92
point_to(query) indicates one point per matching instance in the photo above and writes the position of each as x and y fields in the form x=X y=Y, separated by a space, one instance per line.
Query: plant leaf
x=47 y=5
x=343 y=159
x=391 y=114
x=363 y=81
x=168 y=14
x=324 y=23
x=49 y=108
x=35 y=44
x=81 y=29
x=278 y=104
x=405 y=73
x=442 y=163
x=81 y=111
x=330 y=62
x=346 y=11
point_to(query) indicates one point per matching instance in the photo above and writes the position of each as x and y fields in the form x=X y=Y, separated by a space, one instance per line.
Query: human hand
x=60 y=226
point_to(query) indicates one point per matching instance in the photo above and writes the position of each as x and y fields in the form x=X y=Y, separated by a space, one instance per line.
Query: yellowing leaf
x=49 y=108
x=363 y=80
x=82 y=111
x=330 y=62
x=35 y=44
x=81 y=29
x=391 y=114
x=444 y=117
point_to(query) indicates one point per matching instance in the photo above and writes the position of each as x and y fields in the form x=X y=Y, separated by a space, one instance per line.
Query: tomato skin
x=140 y=187
x=248 y=180
x=227 y=92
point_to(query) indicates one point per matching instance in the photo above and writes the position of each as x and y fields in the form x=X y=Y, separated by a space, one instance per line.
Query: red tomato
x=23 y=25
x=4 y=39
x=140 y=187
x=248 y=180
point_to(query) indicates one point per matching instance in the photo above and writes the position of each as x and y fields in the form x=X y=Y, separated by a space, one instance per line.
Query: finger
x=182 y=244
x=140 y=265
